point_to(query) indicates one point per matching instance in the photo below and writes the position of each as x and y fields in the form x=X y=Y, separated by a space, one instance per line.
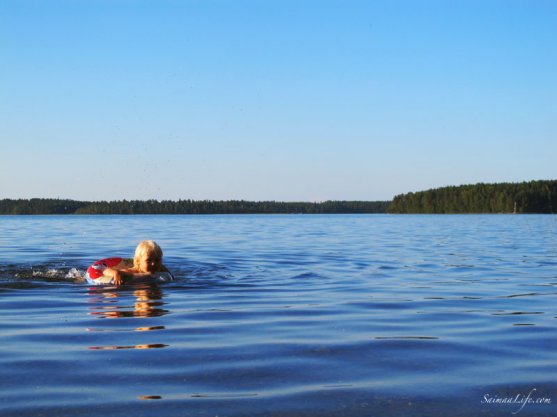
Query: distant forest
x=58 y=206
x=525 y=197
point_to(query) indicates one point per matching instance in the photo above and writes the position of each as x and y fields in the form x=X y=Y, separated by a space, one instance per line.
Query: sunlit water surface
x=287 y=315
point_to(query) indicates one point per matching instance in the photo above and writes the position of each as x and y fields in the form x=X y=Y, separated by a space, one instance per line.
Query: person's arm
x=119 y=276
x=122 y=276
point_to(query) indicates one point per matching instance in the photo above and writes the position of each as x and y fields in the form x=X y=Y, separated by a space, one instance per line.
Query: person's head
x=148 y=256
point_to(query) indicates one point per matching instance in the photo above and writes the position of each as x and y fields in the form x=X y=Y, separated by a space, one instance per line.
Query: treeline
x=59 y=206
x=525 y=197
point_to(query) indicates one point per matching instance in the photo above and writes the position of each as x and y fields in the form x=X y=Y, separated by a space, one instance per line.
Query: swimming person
x=147 y=265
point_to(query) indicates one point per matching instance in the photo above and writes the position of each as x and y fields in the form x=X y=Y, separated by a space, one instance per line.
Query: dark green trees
x=525 y=197
x=56 y=206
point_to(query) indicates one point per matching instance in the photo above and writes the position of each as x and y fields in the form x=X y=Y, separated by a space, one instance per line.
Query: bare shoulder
x=127 y=263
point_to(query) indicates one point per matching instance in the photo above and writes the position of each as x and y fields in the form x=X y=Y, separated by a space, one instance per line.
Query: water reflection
x=140 y=302
x=145 y=346
x=148 y=303
x=137 y=329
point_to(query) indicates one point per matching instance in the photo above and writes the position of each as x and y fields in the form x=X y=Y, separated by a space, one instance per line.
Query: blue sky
x=273 y=100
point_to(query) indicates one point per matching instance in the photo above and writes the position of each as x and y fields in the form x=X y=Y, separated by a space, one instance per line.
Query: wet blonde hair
x=146 y=246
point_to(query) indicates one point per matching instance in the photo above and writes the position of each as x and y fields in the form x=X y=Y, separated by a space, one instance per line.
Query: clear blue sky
x=273 y=100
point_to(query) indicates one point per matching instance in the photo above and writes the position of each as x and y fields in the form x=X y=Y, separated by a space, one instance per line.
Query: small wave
x=75 y=273
x=517 y=313
x=18 y=273
x=406 y=338
x=55 y=273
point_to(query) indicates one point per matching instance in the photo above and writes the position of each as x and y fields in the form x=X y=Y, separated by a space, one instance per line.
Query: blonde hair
x=146 y=246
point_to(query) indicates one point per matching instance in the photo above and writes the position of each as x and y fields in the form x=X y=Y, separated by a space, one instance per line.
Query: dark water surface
x=292 y=315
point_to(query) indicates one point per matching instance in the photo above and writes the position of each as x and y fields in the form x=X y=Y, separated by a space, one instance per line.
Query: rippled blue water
x=287 y=315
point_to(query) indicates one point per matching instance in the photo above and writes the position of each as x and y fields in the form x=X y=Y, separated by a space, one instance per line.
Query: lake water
x=286 y=315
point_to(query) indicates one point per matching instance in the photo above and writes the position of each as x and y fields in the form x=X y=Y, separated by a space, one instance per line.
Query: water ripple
x=281 y=316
